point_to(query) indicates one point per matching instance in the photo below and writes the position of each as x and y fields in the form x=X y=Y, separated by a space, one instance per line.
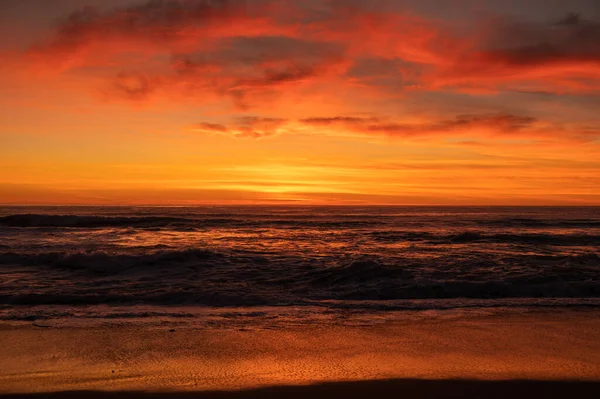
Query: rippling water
x=107 y=263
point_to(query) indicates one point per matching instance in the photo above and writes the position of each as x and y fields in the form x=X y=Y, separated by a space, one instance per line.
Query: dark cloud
x=241 y=68
x=279 y=75
x=571 y=39
x=389 y=73
x=375 y=67
x=570 y=19
x=260 y=61
x=264 y=49
x=153 y=19
x=252 y=51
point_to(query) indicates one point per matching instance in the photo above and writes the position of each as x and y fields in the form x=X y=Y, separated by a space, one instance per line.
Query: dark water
x=181 y=262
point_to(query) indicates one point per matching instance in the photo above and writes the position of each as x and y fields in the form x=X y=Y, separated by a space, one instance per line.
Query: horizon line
x=296 y=204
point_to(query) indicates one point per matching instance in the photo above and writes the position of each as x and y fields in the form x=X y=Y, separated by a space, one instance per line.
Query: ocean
x=273 y=266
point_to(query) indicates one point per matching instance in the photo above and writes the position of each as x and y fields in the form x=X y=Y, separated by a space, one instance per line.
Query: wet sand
x=469 y=356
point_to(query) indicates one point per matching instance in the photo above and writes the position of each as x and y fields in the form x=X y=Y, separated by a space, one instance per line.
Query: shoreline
x=330 y=313
x=544 y=346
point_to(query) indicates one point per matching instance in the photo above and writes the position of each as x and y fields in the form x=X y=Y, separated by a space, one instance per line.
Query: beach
x=313 y=199
x=299 y=302
x=554 y=352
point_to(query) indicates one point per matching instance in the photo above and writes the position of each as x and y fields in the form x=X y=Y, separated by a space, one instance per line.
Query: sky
x=406 y=102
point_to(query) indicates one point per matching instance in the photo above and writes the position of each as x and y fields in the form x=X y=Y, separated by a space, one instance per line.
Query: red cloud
x=242 y=66
x=163 y=21
x=254 y=49
x=560 y=56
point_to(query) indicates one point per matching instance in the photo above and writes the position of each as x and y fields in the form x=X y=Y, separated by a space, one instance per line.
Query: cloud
x=241 y=66
x=463 y=130
x=243 y=69
x=571 y=39
x=163 y=20
x=501 y=123
x=134 y=85
x=558 y=56
x=230 y=30
x=252 y=52
x=92 y=36
x=248 y=127
x=351 y=120
x=385 y=73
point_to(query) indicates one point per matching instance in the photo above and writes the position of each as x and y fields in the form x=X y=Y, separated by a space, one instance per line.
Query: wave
x=452 y=290
x=525 y=238
x=468 y=237
x=575 y=276
x=374 y=222
x=356 y=272
x=531 y=222
x=108 y=263
x=203 y=277
x=309 y=312
x=33 y=220
x=166 y=299
x=475 y=290
x=360 y=269
x=79 y=221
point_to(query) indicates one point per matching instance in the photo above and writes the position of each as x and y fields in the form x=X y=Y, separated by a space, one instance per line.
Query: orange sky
x=315 y=101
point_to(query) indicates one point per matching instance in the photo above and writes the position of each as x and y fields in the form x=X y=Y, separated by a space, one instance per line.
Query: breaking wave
x=344 y=258
x=203 y=277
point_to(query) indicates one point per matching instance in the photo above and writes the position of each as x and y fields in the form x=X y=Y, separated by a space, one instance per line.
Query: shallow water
x=309 y=263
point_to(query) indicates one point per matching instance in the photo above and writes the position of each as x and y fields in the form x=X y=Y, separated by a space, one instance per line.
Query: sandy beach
x=556 y=353
x=312 y=199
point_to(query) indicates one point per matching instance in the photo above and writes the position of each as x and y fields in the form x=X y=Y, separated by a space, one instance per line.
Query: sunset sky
x=303 y=101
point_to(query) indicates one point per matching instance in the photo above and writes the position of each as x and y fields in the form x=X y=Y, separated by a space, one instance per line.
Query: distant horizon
x=281 y=204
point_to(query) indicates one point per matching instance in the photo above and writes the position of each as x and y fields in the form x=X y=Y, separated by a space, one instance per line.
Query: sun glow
x=327 y=104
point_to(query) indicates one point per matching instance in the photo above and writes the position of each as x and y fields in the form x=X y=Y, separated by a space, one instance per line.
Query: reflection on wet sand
x=546 y=346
